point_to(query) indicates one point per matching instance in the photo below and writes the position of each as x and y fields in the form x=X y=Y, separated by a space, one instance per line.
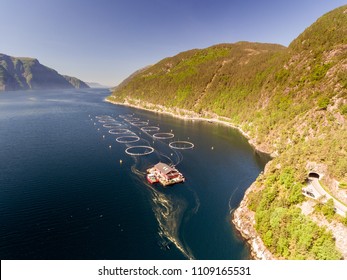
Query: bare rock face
x=244 y=221
x=320 y=169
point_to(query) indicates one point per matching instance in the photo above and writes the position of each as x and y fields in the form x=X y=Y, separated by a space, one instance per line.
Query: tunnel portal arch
x=314 y=175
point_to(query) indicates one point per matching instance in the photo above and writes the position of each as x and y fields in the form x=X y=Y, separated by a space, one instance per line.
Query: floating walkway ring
x=110 y=121
x=163 y=135
x=106 y=121
x=120 y=131
x=126 y=116
x=112 y=125
x=141 y=123
x=132 y=150
x=127 y=139
x=103 y=117
x=132 y=120
x=103 y=120
x=150 y=128
x=181 y=145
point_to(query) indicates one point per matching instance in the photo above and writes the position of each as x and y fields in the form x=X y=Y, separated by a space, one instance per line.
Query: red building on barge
x=164 y=174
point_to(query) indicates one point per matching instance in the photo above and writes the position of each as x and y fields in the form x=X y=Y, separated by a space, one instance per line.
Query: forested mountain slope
x=292 y=102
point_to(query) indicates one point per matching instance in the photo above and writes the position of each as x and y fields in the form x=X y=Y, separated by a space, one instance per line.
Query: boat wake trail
x=169 y=210
x=231 y=208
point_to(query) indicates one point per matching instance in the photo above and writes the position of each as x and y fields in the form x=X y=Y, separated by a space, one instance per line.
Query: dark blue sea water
x=68 y=190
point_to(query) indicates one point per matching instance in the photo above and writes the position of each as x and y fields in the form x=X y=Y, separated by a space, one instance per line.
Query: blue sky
x=106 y=40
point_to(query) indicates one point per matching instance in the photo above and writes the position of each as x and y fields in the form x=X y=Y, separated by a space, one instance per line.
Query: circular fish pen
x=127 y=139
x=126 y=116
x=120 y=131
x=132 y=119
x=163 y=135
x=141 y=123
x=112 y=125
x=181 y=145
x=103 y=117
x=139 y=150
x=106 y=120
x=150 y=128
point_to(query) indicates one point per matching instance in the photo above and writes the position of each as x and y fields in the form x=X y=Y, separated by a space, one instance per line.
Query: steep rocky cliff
x=20 y=73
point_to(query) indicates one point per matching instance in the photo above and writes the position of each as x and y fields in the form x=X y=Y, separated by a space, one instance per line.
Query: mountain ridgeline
x=21 y=73
x=291 y=101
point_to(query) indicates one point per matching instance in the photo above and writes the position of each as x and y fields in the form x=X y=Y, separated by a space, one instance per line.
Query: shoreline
x=244 y=221
x=242 y=218
x=190 y=115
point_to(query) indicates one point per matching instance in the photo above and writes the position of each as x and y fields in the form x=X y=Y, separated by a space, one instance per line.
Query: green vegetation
x=285 y=231
x=323 y=102
x=344 y=220
x=289 y=100
x=343 y=109
x=327 y=32
x=319 y=72
x=291 y=235
x=182 y=95
x=206 y=73
x=327 y=209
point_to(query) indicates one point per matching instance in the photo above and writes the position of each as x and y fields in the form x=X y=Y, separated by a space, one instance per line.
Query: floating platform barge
x=164 y=174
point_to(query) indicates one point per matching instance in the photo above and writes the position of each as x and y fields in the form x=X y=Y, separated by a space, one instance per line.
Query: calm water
x=68 y=190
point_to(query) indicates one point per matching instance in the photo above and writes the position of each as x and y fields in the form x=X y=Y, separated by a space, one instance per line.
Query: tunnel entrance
x=313 y=175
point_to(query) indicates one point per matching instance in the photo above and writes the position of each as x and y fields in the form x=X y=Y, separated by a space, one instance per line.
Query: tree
x=328 y=209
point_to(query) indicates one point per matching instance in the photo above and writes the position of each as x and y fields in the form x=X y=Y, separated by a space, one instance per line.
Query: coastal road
x=341 y=209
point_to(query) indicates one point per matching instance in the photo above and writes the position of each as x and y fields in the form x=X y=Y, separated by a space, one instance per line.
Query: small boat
x=151 y=178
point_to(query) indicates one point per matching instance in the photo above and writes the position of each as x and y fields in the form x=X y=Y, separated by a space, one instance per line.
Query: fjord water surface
x=68 y=190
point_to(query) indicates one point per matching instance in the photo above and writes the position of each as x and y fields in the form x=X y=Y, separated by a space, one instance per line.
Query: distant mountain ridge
x=96 y=85
x=22 y=73
x=76 y=83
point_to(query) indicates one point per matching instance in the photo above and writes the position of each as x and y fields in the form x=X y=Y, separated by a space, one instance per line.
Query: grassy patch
x=323 y=102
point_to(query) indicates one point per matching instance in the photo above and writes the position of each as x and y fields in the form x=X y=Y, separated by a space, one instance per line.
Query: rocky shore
x=244 y=221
